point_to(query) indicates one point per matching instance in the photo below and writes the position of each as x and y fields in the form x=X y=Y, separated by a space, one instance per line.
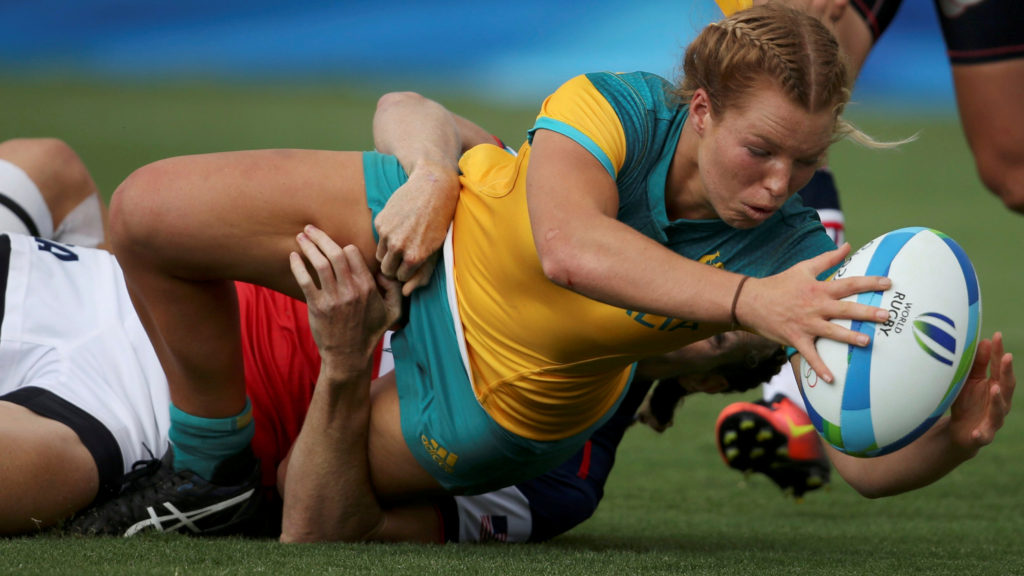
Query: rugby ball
x=890 y=392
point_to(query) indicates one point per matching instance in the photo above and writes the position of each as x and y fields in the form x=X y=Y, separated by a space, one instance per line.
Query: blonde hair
x=794 y=50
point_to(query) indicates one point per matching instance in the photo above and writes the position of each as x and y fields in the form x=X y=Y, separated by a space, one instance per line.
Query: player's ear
x=700 y=110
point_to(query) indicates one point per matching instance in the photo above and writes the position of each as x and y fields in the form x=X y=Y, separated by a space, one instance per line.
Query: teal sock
x=200 y=444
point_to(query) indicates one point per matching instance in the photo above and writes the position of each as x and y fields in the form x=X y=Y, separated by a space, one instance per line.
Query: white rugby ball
x=890 y=392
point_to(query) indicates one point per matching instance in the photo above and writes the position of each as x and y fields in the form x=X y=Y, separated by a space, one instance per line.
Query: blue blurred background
x=513 y=52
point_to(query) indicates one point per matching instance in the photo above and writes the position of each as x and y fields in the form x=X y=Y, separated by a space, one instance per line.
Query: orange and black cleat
x=776 y=439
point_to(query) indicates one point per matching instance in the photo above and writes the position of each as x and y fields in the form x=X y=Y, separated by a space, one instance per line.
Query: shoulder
x=638 y=89
x=616 y=116
x=643 y=89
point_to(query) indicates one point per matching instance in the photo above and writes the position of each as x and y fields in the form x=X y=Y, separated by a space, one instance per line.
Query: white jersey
x=68 y=326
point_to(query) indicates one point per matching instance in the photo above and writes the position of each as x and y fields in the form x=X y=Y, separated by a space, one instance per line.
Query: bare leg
x=183 y=228
x=855 y=39
x=35 y=448
x=990 y=98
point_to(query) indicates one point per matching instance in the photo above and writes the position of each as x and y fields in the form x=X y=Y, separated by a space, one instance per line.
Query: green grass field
x=671 y=506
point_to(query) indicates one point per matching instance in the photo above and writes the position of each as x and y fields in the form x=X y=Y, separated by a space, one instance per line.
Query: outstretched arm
x=573 y=203
x=428 y=140
x=975 y=417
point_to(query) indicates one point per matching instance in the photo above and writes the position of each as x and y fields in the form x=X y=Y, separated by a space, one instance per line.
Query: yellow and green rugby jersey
x=548 y=362
x=729 y=7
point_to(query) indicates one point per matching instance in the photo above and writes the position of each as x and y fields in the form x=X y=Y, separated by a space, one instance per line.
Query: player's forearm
x=419 y=132
x=919 y=464
x=472 y=134
x=425 y=139
x=329 y=496
x=604 y=259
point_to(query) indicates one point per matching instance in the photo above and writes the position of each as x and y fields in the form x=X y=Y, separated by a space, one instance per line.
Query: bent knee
x=1012 y=195
x=137 y=215
x=1014 y=202
x=55 y=168
x=1003 y=175
x=36 y=151
x=1010 y=190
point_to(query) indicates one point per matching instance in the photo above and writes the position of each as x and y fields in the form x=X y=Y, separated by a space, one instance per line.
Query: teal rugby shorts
x=443 y=424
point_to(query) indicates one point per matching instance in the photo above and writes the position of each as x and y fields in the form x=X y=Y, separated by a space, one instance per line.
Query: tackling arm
x=428 y=140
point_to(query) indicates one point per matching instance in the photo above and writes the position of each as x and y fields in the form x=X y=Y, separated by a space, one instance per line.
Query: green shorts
x=444 y=425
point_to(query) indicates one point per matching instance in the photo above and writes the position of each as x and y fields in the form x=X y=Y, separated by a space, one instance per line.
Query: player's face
x=756 y=155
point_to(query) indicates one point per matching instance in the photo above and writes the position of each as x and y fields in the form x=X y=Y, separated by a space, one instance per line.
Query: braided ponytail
x=791 y=48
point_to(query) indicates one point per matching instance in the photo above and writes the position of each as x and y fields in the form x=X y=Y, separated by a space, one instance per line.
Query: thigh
x=394 y=471
x=985 y=45
x=990 y=98
x=46 y=471
x=236 y=214
x=856 y=32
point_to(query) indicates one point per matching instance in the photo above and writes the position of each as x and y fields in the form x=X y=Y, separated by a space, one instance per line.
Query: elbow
x=871 y=486
x=299 y=528
x=560 y=263
x=870 y=492
x=556 y=271
x=307 y=531
x=393 y=100
x=299 y=537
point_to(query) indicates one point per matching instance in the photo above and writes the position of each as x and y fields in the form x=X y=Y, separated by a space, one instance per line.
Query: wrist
x=435 y=170
x=439 y=178
x=736 y=324
x=345 y=369
x=954 y=449
x=343 y=375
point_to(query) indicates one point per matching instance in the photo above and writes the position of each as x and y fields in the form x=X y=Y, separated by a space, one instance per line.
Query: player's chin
x=751 y=217
x=744 y=222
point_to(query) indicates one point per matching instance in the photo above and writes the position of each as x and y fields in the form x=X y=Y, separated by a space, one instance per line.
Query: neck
x=684 y=191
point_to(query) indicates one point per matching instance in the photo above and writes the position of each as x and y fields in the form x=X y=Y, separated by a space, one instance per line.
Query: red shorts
x=281 y=368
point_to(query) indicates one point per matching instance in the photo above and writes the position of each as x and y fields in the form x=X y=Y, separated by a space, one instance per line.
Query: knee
x=135 y=214
x=1003 y=175
x=55 y=167
x=32 y=152
x=1012 y=195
